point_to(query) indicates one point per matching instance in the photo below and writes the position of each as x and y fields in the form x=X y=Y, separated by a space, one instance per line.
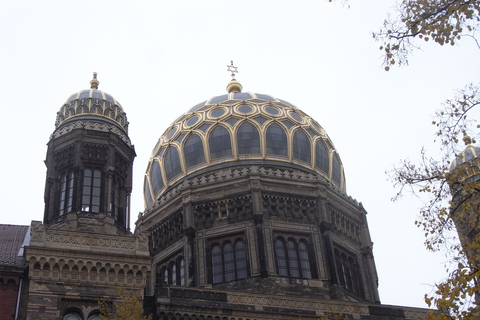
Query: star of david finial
x=231 y=68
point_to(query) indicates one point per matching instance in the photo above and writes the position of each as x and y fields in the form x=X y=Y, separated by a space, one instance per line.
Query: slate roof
x=11 y=239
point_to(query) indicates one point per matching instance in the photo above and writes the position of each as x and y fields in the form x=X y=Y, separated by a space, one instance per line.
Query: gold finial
x=466 y=139
x=233 y=86
x=94 y=82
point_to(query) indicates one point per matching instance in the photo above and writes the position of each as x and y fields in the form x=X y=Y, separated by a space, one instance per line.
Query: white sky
x=159 y=58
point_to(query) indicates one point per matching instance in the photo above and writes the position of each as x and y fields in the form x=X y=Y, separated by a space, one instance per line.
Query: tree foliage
x=127 y=307
x=442 y=21
x=452 y=197
x=453 y=204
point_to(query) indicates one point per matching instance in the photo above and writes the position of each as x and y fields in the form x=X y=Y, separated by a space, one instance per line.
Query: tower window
x=117 y=209
x=347 y=271
x=229 y=261
x=173 y=273
x=92 y=182
x=292 y=258
x=66 y=193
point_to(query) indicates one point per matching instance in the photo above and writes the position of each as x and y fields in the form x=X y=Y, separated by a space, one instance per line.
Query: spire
x=233 y=86
x=94 y=82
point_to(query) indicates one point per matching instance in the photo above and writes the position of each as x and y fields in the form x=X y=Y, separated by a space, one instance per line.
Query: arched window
x=336 y=174
x=172 y=268
x=117 y=209
x=219 y=143
x=72 y=315
x=181 y=271
x=92 y=183
x=292 y=258
x=304 y=260
x=276 y=140
x=281 y=257
x=172 y=163
x=173 y=273
x=66 y=193
x=347 y=271
x=217 y=264
x=193 y=150
x=156 y=176
x=301 y=147
x=248 y=139
x=229 y=261
x=321 y=157
x=94 y=316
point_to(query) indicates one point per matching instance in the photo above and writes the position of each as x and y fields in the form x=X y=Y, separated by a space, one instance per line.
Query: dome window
x=276 y=139
x=193 y=151
x=147 y=194
x=172 y=163
x=217 y=113
x=272 y=110
x=156 y=177
x=296 y=116
x=301 y=147
x=244 y=109
x=192 y=121
x=336 y=174
x=219 y=143
x=321 y=156
x=171 y=133
x=248 y=139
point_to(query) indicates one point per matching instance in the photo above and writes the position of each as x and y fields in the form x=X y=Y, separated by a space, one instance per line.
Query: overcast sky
x=159 y=58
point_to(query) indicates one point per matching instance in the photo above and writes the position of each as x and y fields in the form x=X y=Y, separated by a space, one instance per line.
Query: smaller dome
x=92 y=103
x=92 y=109
x=470 y=153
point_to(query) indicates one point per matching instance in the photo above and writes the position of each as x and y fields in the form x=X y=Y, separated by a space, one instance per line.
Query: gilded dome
x=240 y=126
x=467 y=155
x=93 y=109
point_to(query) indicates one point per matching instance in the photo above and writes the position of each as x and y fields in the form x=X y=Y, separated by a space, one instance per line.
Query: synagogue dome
x=240 y=127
